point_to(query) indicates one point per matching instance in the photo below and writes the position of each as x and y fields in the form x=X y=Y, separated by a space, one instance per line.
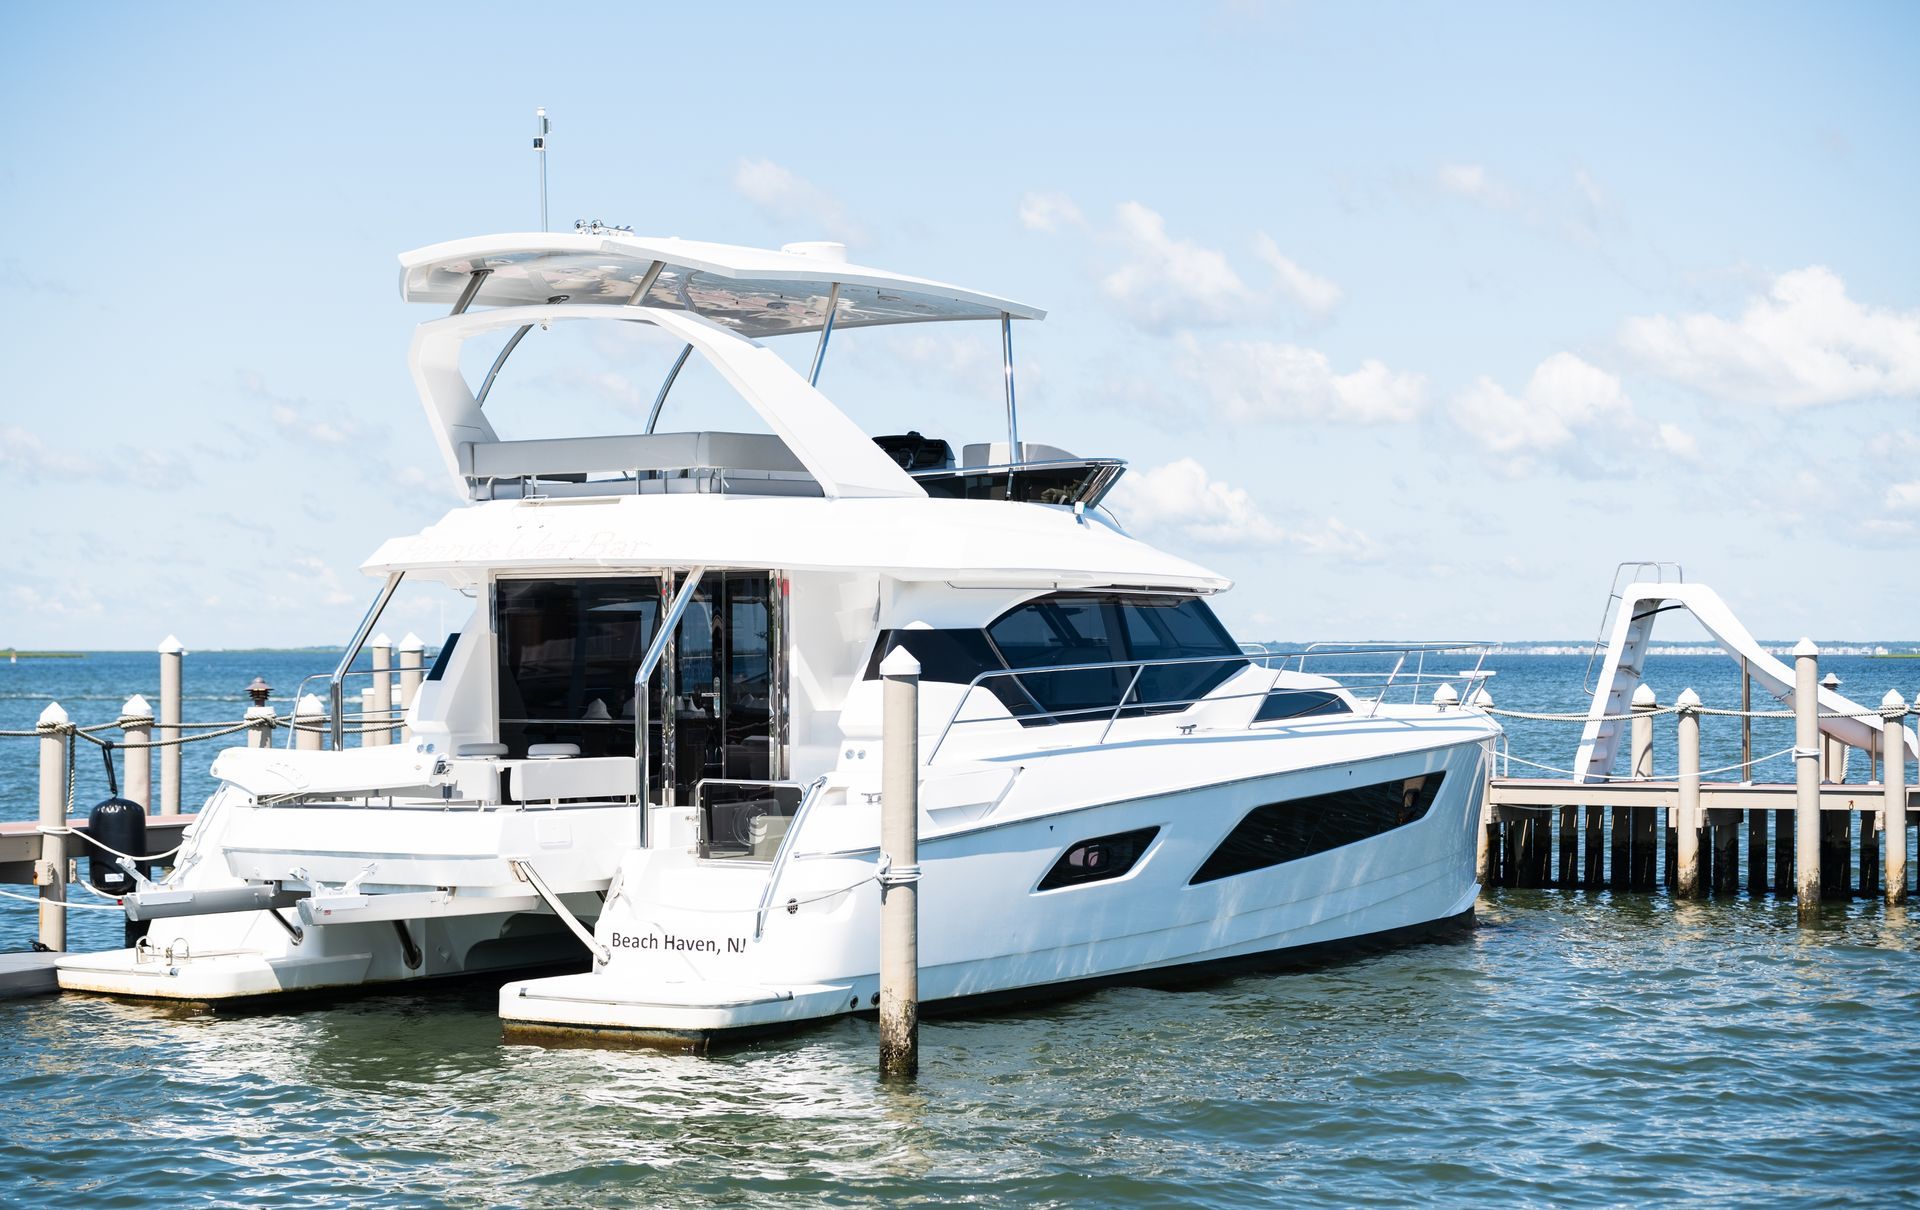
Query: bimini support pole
x=660 y=400
x=1006 y=368
x=826 y=333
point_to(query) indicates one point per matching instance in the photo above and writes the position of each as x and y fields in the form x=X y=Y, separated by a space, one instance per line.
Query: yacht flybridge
x=653 y=750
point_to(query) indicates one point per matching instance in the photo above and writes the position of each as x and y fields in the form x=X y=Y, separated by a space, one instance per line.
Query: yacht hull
x=393 y=896
x=684 y=968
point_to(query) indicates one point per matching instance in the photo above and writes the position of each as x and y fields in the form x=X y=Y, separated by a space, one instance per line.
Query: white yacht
x=652 y=753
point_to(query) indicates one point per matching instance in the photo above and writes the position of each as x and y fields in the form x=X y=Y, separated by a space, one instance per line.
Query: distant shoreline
x=81 y=655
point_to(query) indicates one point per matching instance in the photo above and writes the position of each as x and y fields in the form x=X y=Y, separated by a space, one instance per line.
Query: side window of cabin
x=1177 y=628
x=568 y=652
x=1280 y=832
x=951 y=657
x=441 y=661
x=1057 y=630
x=1079 y=628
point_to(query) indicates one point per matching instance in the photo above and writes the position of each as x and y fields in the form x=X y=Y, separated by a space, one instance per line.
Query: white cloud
x=1049 y=212
x=1474 y=183
x=1181 y=496
x=1564 y=395
x=325 y=579
x=1903 y=497
x=78 y=601
x=1804 y=342
x=1264 y=380
x=1167 y=281
x=1318 y=295
x=784 y=196
x=24 y=456
x=1677 y=441
x=1182 y=500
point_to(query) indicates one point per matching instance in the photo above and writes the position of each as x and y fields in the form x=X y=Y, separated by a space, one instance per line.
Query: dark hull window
x=1287 y=831
x=1098 y=859
x=1299 y=703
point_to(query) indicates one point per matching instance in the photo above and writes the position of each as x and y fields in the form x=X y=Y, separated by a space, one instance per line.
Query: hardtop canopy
x=755 y=292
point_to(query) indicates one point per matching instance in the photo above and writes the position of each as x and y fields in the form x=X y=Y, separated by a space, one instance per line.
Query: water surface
x=1599 y=1048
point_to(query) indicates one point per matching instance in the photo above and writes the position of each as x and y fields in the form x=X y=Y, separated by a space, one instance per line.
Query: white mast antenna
x=540 y=150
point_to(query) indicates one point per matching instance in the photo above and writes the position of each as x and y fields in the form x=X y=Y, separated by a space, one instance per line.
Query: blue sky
x=1414 y=320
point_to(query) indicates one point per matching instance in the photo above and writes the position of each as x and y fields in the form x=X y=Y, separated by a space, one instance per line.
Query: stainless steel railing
x=1368 y=687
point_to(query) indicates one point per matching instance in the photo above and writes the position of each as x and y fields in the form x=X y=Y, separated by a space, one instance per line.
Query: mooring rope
x=63 y=903
x=1656 y=711
x=1621 y=779
x=105 y=847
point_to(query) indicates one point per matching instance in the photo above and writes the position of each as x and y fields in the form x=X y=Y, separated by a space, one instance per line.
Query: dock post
x=1833 y=751
x=1806 y=778
x=1687 y=825
x=172 y=657
x=259 y=716
x=51 y=873
x=309 y=718
x=1642 y=819
x=900 y=866
x=1893 y=818
x=411 y=652
x=1483 y=847
x=1569 y=871
x=382 y=691
x=136 y=727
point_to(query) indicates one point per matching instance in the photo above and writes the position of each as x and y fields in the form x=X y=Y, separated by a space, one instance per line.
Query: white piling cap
x=381 y=640
x=1445 y=696
x=1687 y=700
x=136 y=707
x=310 y=706
x=1643 y=696
x=412 y=643
x=900 y=662
x=1830 y=681
x=171 y=646
x=53 y=715
x=1893 y=700
x=1481 y=698
x=1805 y=647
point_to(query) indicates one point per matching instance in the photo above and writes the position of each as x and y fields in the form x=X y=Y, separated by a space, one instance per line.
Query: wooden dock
x=29 y=974
x=1817 y=837
x=1548 y=832
x=22 y=843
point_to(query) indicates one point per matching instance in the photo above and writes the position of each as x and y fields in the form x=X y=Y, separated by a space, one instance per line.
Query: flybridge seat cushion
x=752 y=452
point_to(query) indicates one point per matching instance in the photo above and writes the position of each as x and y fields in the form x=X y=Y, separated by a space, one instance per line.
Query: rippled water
x=1571 y=1047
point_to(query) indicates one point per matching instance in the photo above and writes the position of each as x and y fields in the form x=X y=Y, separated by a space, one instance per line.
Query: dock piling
x=1687 y=823
x=309 y=719
x=136 y=727
x=51 y=872
x=411 y=651
x=1806 y=777
x=900 y=866
x=259 y=716
x=172 y=660
x=382 y=704
x=1893 y=820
